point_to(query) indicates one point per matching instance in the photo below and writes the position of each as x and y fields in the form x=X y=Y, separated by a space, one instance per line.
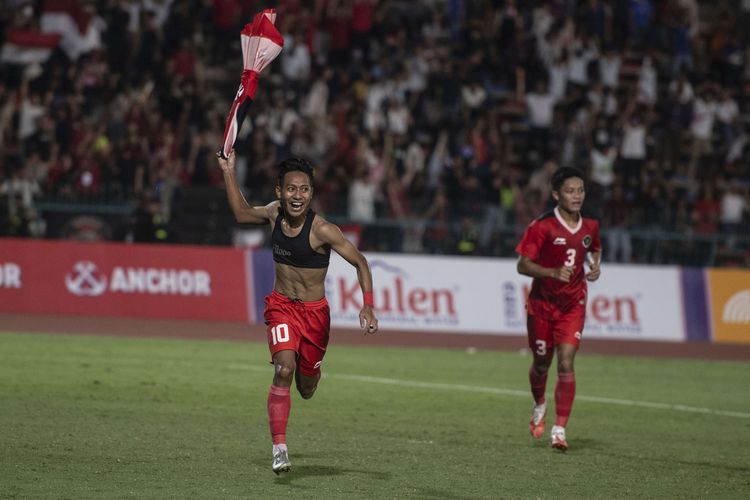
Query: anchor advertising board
x=107 y=279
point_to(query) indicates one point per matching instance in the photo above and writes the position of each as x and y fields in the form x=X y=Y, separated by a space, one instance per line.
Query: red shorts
x=545 y=333
x=298 y=326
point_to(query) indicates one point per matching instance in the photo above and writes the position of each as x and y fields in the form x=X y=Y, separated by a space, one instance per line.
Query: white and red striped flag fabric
x=80 y=34
x=28 y=47
x=261 y=44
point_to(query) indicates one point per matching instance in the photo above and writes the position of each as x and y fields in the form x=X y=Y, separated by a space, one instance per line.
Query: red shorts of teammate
x=546 y=332
x=298 y=326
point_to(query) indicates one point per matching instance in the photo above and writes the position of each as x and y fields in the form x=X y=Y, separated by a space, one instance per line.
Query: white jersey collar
x=571 y=230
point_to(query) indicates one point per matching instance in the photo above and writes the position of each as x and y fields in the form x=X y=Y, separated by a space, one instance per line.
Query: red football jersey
x=550 y=242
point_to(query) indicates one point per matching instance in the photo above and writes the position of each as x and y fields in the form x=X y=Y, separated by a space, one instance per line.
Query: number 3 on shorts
x=541 y=348
x=280 y=333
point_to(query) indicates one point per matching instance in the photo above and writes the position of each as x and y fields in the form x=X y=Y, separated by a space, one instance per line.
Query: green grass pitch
x=108 y=417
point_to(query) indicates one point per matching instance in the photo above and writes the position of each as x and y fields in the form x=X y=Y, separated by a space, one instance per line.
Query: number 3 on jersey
x=280 y=333
x=571 y=260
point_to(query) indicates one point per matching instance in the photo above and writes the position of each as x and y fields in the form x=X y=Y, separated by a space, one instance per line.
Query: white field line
x=513 y=392
x=440 y=386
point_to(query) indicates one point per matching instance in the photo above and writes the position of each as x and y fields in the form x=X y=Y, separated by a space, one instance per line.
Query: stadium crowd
x=446 y=115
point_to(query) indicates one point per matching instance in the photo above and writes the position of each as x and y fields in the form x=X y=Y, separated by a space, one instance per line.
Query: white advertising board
x=636 y=302
x=486 y=295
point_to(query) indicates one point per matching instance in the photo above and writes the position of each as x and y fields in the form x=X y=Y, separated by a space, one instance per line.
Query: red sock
x=565 y=393
x=538 y=384
x=279 y=403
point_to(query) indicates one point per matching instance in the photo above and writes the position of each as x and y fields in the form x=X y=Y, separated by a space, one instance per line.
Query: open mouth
x=296 y=205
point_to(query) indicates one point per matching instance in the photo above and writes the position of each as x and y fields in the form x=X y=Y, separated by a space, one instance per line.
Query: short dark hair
x=562 y=174
x=296 y=164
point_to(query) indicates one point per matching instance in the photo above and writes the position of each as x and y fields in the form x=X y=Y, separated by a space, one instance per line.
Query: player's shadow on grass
x=602 y=447
x=305 y=471
x=433 y=494
x=672 y=460
x=301 y=470
x=578 y=444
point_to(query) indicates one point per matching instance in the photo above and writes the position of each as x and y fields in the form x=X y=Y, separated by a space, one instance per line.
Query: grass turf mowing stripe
x=514 y=392
x=472 y=388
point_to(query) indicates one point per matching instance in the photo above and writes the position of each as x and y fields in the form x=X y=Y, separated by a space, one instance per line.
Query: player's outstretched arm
x=331 y=234
x=528 y=267
x=243 y=212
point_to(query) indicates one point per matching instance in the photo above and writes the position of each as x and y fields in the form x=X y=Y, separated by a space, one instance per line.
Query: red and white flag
x=28 y=47
x=77 y=27
x=261 y=44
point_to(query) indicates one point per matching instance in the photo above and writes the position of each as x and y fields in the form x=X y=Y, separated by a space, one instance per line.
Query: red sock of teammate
x=279 y=403
x=538 y=384
x=565 y=393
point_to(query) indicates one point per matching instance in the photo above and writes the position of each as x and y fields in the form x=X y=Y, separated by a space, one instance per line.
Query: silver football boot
x=281 y=462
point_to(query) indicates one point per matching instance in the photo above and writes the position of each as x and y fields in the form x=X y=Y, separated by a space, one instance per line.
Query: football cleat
x=557 y=438
x=281 y=462
x=536 y=424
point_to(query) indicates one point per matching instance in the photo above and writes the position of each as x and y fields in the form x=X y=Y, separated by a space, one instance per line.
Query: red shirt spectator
x=225 y=13
x=706 y=213
x=363 y=12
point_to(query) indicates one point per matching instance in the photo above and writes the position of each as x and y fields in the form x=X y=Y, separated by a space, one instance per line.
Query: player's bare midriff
x=300 y=283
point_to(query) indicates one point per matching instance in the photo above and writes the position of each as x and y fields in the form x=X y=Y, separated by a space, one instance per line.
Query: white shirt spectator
x=374 y=118
x=647 y=82
x=542 y=21
x=362 y=200
x=609 y=70
x=541 y=109
x=685 y=91
x=418 y=69
x=610 y=104
x=160 y=8
x=703 y=119
x=315 y=104
x=558 y=79
x=473 y=95
x=23 y=186
x=603 y=166
x=578 y=64
x=399 y=118
x=281 y=120
x=295 y=60
x=633 y=145
x=727 y=110
x=595 y=97
x=134 y=11
x=693 y=14
x=415 y=158
x=733 y=206
x=28 y=117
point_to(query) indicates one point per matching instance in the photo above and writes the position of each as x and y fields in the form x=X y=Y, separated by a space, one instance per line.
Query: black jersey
x=296 y=251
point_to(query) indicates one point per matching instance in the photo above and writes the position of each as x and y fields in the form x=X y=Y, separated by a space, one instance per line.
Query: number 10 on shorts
x=280 y=333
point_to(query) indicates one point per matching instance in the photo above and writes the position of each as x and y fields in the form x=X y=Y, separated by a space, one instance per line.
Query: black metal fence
x=204 y=219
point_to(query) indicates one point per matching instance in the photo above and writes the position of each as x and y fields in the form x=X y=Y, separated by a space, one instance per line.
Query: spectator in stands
x=618 y=218
x=702 y=126
x=540 y=104
x=633 y=152
x=93 y=121
x=727 y=117
x=602 y=158
x=362 y=196
x=734 y=209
